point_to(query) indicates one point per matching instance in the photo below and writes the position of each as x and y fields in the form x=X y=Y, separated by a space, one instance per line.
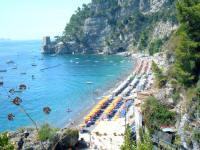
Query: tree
x=188 y=51
x=129 y=143
x=146 y=143
x=155 y=114
x=5 y=143
x=155 y=46
x=47 y=132
x=161 y=79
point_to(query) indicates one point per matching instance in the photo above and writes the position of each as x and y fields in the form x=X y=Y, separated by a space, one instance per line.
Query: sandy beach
x=79 y=118
x=107 y=132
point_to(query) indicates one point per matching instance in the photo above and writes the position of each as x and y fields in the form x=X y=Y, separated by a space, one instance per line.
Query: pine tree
x=188 y=51
x=129 y=143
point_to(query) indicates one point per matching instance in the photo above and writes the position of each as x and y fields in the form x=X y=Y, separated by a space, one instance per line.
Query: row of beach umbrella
x=140 y=66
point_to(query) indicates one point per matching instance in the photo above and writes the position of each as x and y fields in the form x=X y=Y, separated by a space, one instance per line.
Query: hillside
x=116 y=26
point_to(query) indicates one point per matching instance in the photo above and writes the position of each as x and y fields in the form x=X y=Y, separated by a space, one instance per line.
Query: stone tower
x=47 y=47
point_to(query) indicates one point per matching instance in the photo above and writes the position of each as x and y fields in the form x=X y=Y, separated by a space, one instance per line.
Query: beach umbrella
x=102 y=101
x=95 y=110
x=117 y=100
x=106 y=112
x=86 y=118
x=82 y=125
x=98 y=107
x=104 y=96
x=91 y=114
x=116 y=117
x=97 y=122
x=110 y=108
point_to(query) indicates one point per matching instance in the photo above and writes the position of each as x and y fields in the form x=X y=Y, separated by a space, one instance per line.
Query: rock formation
x=115 y=26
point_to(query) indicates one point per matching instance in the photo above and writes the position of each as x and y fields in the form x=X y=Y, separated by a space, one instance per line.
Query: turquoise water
x=59 y=87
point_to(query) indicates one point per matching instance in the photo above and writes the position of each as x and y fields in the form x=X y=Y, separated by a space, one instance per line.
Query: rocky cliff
x=116 y=26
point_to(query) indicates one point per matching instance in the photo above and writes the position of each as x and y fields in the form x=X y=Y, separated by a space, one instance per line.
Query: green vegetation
x=46 y=132
x=74 y=28
x=155 y=46
x=174 y=83
x=155 y=114
x=177 y=140
x=188 y=54
x=144 y=144
x=70 y=137
x=136 y=23
x=129 y=143
x=5 y=143
x=176 y=96
x=161 y=79
x=196 y=135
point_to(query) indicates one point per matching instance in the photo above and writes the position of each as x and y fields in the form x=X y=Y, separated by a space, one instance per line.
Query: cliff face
x=116 y=26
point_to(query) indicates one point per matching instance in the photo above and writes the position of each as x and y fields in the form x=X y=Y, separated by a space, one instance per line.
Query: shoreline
x=79 y=118
x=107 y=131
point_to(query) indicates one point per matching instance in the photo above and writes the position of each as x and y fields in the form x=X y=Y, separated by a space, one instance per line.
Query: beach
x=105 y=123
x=102 y=125
x=55 y=82
x=79 y=118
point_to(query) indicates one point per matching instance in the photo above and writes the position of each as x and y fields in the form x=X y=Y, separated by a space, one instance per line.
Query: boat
x=3 y=70
x=88 y=82
x=34 y=64
x=68 y=110
x=18 y=91
x=53 y=55
x=23 y=73
x=14 y=67
x=9 y=62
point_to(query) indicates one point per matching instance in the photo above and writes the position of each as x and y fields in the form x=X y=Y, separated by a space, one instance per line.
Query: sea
x=62 y=82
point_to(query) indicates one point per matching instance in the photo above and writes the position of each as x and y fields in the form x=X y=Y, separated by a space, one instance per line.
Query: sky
x=33 y=19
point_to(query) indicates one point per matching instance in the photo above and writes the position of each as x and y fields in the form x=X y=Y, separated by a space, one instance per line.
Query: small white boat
x=88 y=82
x=15 y=67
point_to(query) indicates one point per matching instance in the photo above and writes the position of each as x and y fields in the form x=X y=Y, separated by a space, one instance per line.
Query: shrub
x=146 y=144
x=196 y=135
x=176 y=96
x=187 y=128
x=46 y=132
x=155 y=46
x=174 y=83
x=71 y=137
x=5 y=143
x=129 y=143
x=155 y=114
x=161 y=79
x=97 y=133
x=189 y=142
x=177 y=140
